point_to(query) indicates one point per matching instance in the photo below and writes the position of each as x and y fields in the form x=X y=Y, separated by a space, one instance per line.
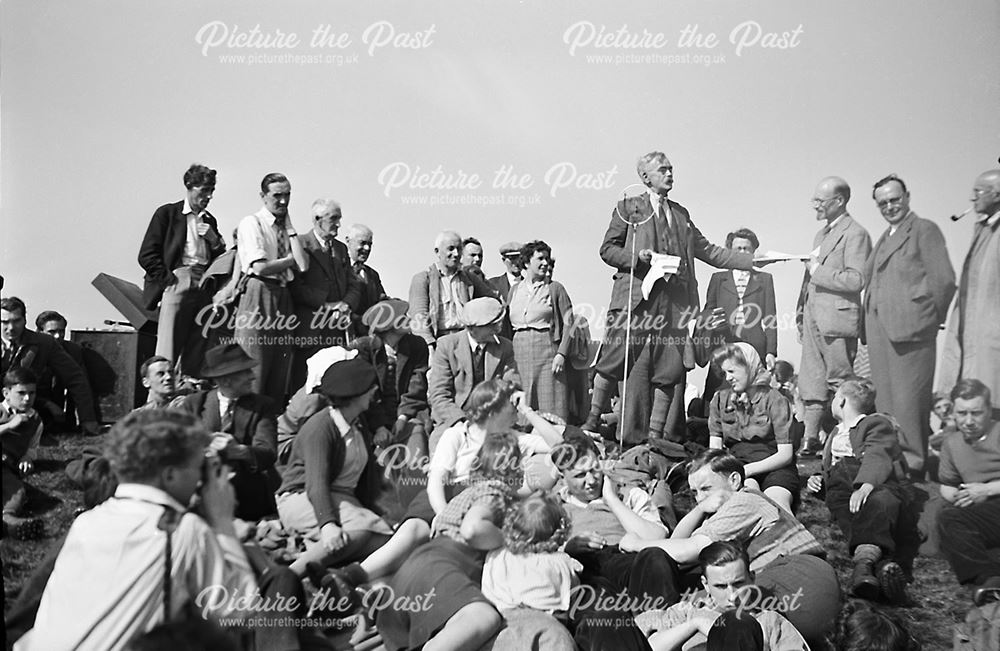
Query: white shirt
x=257 y=239
x=456 y=452
x=659 y=201
x=840 y=446
x=107 y=585
x=195 y=249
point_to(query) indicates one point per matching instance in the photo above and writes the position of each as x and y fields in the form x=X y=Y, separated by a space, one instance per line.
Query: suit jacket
x=616 y=250
x=874 y=441
x=48 y=360
x=327 y=279
x=425 y=299
x=372 y=292
x=501 y=285
x=254 y=425
x=760 y=329
x=910 y=281
x=451 y=374
x=833 y=293
x=406 y=393
x=163 y=248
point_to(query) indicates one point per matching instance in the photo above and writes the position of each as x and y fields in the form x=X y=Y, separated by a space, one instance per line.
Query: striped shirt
x=750 y=518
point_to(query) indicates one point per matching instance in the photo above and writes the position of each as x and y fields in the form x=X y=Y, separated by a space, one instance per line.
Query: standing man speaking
x=652 y=224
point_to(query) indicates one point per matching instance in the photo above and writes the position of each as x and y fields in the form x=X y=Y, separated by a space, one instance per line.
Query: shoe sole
x=892 y=580
x=26 y=530
x=869 y=591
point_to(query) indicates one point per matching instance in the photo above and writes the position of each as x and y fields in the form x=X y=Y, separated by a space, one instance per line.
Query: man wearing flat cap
x=464 y=359
x=400 y=359
x=510 y=253
x=244 y=424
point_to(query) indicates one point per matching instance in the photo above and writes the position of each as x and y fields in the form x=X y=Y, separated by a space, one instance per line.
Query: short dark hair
x=783 y=370
x=861 y=627
x=528 y=251
x=970 y=389
x=860 y=392
x=13 y=304
x=19 y=375
x=723 y=553
x=146 y=441
x=886 y=180
x=273 y=177
x=199 y=176
x=471 y=240
x=144 y=369
x=721 y=462
x=49 y=315
x=575 y=446
x=743 y=233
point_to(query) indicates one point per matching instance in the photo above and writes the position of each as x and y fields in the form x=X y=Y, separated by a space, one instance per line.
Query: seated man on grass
x=785 y=556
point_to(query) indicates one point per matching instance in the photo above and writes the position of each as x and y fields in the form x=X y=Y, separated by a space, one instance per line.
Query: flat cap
x=510 y=248
x=482 y=312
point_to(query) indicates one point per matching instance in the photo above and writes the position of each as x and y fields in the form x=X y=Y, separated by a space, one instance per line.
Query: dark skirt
x=420 y=506
x=786 y=477
x=443 y=576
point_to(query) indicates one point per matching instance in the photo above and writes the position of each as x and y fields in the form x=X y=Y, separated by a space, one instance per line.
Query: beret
x=347 y=379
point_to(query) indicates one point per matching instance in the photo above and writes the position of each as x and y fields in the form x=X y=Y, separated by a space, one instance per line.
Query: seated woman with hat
x=324 y=487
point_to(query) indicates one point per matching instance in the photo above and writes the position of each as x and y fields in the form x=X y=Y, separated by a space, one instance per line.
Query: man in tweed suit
x=910 y=286
x=829 y=306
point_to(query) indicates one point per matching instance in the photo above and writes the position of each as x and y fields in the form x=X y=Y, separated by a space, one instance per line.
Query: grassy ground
x=938 y=601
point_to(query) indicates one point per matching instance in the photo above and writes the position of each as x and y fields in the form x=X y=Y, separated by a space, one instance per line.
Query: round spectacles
x=894 y=201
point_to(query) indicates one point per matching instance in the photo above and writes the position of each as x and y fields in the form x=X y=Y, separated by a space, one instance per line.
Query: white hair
x=446 y=235
x=321 y=206
x=355 y=230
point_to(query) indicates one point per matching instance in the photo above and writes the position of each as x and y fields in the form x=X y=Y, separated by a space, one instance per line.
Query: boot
x=864 y=584
x=892 y=581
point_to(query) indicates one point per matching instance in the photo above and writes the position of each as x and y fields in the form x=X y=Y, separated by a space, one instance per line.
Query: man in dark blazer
x=245 y=428
x=359 y=240
x=746 y=298
x=652 y=224
x=401 y=360
x=464 y=359
x=435 y=308
x=326 y=293
x=181 y=241
x=910 y=286
x=45 y=357
x=510 y=253
x=829 y=306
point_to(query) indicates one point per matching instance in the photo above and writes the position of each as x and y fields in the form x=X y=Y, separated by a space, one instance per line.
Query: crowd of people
x=533 y=484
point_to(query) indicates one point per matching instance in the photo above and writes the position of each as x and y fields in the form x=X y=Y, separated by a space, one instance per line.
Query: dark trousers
x=966 y=534
x=650 y=579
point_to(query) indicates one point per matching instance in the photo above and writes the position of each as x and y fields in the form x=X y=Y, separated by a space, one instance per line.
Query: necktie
x=478 y=365
x=328 y=245
x=8 y=357
x=359 y=269
x=227 y=418
x=282 y=237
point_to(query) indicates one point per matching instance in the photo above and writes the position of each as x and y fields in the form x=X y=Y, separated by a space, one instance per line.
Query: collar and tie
x=8 y=355
x=478 y=364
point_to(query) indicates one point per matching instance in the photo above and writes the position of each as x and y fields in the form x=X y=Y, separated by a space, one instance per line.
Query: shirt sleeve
x=780 y=413
x=735 y=520
x=216 y=571
x=445 y=456
x=639 y=502
x=250 y=242
x=947 y=471
x=532 y=444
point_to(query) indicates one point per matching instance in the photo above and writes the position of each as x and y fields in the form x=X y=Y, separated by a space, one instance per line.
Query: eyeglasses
x=894 y=201
x=821 y=202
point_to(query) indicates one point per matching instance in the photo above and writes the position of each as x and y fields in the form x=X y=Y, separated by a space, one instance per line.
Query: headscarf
x=317 y=364
x=757 y=375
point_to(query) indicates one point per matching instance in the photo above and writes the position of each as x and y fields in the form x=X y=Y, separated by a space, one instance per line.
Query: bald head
x=359 y=242
x=986 y=193
x=830 y=198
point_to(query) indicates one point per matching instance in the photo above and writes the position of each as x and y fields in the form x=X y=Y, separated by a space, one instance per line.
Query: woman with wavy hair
x=540 y=314
x=751 y=419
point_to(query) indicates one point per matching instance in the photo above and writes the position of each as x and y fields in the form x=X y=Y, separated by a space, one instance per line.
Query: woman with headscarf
x=751 y=419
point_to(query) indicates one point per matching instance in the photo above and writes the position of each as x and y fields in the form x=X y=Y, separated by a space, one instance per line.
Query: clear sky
x=105 y=104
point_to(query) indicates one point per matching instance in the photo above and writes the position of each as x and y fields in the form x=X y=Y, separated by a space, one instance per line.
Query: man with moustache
x=326 y=293
x=659 y=335
x=510 y=253
x=910 y=286
x=181 y=241
x=359 y=247
x=972 y=347
x=439 y=293
x=829 y=306
x=270 y=254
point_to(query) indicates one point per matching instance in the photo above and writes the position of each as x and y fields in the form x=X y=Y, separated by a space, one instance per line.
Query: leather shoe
x=892 y=580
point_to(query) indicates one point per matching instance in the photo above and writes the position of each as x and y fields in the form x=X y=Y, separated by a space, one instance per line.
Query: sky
x=501 y=120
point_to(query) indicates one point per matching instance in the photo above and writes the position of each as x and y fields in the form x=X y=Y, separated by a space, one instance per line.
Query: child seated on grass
x=868 y=494
x=20 y=431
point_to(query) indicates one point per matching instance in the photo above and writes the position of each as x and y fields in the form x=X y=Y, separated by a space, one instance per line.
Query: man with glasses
x=829 y=307
x=972 y=347
x=910 y=286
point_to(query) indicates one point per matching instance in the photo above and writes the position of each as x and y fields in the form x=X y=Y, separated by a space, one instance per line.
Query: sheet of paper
x=660 y=266
x=778 y=256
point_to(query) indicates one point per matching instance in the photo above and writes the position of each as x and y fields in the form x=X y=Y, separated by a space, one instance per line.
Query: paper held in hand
x=778 y=256
x=660 y=266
